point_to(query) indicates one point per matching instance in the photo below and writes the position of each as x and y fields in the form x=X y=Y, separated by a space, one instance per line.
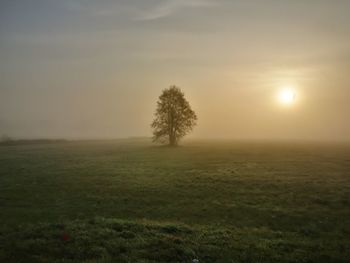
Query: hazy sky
x=94 y=69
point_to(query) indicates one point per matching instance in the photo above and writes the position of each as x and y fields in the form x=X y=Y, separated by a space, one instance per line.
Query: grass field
x=215 y=201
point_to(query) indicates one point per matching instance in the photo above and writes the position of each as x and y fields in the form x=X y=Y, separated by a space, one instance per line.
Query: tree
x=174 y=117
x=5 y=138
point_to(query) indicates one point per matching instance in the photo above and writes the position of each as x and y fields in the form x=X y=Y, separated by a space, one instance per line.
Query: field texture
x=130 y=201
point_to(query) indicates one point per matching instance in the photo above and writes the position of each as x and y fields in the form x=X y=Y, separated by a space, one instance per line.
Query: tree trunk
x=172 y=140
x=172 y=137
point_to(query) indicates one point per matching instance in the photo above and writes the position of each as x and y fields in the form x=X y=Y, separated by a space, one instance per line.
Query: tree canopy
x=174 y=117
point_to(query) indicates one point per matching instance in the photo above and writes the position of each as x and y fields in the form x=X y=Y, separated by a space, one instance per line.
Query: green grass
x=129 y=201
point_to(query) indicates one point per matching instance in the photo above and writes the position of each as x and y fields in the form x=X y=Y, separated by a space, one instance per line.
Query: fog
x=94 y=69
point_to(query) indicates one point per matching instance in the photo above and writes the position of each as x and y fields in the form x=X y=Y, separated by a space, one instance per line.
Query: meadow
x=215 y=201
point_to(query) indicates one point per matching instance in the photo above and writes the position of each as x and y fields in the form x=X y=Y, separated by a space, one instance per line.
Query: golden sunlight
x=286 y=96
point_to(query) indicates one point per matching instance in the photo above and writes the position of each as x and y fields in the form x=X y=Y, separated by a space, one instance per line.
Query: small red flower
x=65 y=237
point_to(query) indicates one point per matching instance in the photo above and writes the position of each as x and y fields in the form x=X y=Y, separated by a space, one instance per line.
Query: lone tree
x=174 y=117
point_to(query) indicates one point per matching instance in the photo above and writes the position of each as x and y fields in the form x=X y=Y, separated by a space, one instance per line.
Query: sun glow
x=286 y=96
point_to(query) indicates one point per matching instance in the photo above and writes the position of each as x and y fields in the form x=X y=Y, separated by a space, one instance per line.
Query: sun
x=286 y=96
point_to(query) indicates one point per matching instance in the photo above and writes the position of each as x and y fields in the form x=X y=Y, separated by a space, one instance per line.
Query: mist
x=82 y=70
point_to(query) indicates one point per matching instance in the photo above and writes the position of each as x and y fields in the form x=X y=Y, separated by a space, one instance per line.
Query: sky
x=94 y=69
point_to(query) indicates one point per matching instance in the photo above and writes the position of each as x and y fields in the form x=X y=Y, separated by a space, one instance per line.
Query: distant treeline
x=30 y=142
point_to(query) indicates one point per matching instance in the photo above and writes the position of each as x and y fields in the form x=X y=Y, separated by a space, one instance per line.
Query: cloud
x=137 y=10
x=101 y=9
x=169 y=7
